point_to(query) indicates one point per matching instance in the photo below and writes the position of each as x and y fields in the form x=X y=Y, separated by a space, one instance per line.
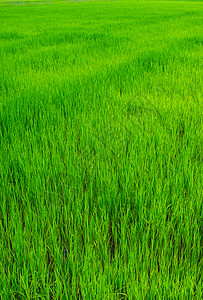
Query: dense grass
x=101 y=150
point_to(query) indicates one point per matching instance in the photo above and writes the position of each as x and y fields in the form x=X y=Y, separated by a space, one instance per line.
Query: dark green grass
x=101 y=150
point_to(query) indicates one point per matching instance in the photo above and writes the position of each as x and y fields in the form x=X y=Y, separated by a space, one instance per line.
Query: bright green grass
x=101 y=150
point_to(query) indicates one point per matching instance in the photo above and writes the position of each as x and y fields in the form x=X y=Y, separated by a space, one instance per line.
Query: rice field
x=101 y=150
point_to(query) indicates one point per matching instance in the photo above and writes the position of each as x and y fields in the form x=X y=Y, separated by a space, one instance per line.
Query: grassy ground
x=101 y=150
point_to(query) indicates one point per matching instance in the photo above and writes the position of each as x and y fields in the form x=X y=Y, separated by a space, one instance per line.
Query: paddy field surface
x=101 y=150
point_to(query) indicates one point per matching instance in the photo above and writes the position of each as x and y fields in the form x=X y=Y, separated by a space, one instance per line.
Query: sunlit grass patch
x=101 y=150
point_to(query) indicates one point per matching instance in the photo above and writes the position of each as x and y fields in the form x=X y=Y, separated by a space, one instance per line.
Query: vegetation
x=101 y=150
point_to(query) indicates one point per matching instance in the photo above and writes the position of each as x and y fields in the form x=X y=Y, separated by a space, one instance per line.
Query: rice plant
x=101 y=150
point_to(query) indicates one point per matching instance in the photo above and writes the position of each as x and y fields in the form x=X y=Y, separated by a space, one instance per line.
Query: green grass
x=101 y=150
